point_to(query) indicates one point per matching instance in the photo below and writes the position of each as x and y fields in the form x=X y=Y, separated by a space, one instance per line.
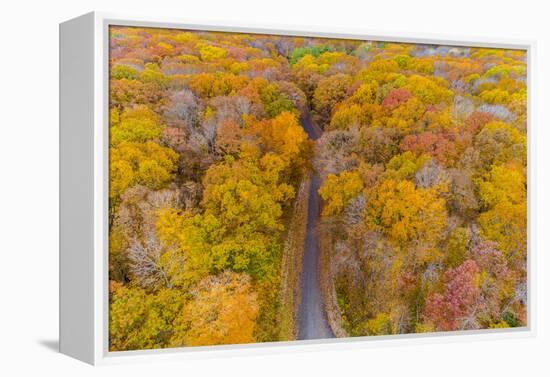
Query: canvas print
x=268 y=188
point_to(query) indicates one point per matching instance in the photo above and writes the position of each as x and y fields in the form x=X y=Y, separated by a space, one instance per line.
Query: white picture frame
x=84 y=186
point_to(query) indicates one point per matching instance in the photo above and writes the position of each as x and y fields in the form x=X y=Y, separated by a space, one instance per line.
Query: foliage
x=282 y=136
x=450 y=310
x=208 y=85
x=339 y=190
x=405 y=213
x=138 y=320
x=210 y=52
x=380 y=325
x=275 y=102
x=223 y=310
x=132 y=163
x=329 y=92
x=138 y=124
x=300 y=52
x=422 y=161
x=121 y=71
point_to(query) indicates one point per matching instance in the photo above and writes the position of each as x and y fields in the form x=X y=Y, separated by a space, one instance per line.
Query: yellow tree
x=131 y=163
x=246 y=197
x=223 y=310
x=430 y=90
x=405 y=165
x=339 y=190
x=140 y=320
x=504 y=194
x=185 y=258
x=330 y=91
x=499 y=143
x=284 y=137
x=139 y=124
x=405 y=213
x=208 y=85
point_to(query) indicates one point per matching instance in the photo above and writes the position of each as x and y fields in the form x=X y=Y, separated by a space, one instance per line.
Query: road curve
x=312 y=320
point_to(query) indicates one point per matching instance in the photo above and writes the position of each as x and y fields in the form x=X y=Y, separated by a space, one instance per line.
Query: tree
x=339 y=190
x=497 y=285
x=135 y=251
x=477 y=120
x=209 y=52
x=379 y=144
x=306 y=73
x=457 y=246
x=138 y=320
x=365 y=93
x=432 y=175
x=503 y=183
x=125 y=93
x=247 y=191
x=275 y=102
x=441 y=146
x=499 y=143
x=405 y=213
x=229 y=137
x=284 y=137
x=299 y=52
x=431 y=90
x=153 y=75
x=223 y=310
x=380 y=325
x=208 y=85
x=396 y=97
x=408 y=117
x=462 y=197
x=121 y=71
x=336 y=151
x=146 y=263
x=405 y=166
x=456 y=308
x=243 y=201
x=504 y=194
x=345 y=117
x=186 y=258
x=133 y=163
x=330 y=91
x=183 y=110
x=138 y=124
x=506 y=224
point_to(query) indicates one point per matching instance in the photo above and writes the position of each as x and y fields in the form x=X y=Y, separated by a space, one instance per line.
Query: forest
x=420 y=152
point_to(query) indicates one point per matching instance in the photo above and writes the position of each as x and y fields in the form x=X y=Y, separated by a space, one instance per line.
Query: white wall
x=29 y=183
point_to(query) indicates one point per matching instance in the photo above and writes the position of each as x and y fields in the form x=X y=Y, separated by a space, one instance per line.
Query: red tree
x=396 y=97
x=453 y=309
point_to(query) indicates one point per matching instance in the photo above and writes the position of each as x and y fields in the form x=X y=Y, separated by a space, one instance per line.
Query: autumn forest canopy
x=422 y=157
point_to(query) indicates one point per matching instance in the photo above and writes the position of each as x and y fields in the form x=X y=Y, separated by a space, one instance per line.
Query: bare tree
x=183 y=110
x=432 y=174
x=145 y=261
